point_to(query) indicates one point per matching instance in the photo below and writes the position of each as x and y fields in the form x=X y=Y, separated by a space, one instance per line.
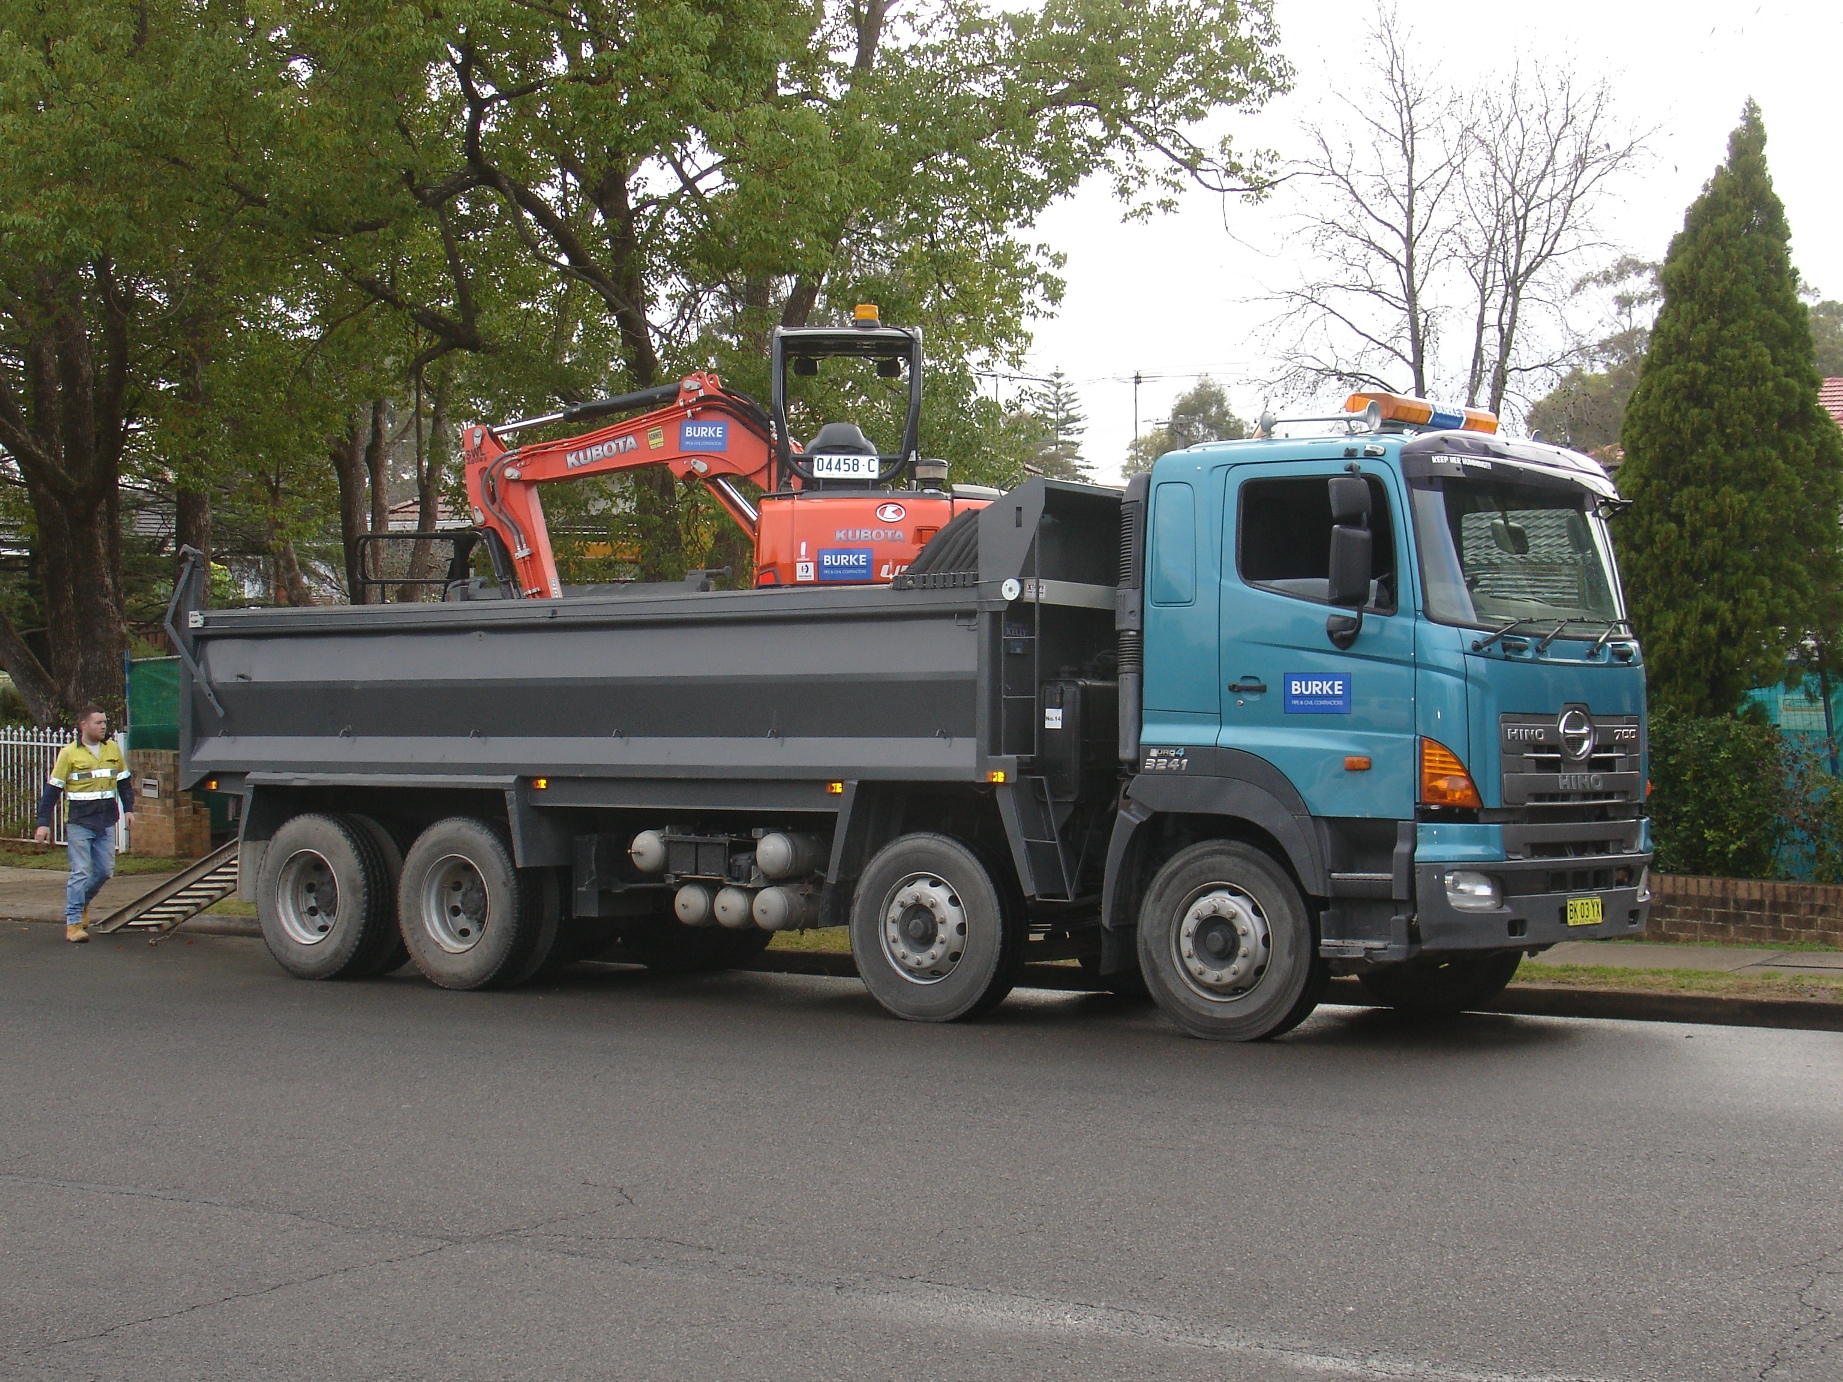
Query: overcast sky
x=1180 y=295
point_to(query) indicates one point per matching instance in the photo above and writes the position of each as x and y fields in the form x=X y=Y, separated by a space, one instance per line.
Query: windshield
x=1495 y=550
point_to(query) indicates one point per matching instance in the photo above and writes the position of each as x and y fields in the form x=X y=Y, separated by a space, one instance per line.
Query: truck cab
x=1446 y=742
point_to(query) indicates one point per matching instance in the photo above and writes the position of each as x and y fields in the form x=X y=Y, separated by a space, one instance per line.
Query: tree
x=131 y=138
x=1202 y=414
x=1060 y=425
x=1446 y=209
x=1827 y=336
x=1731 y=547
x=1378 y=217
x=1586 y=409
x=692 y=194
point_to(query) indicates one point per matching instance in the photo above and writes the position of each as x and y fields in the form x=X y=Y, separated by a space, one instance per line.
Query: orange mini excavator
x=835 y=511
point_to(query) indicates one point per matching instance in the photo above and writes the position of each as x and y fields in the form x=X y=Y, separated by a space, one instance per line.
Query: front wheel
x=1226 y=945
x=935 y=938
x=1442 y=987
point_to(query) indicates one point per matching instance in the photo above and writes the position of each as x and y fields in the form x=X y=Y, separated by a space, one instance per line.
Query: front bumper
x=1532 y=914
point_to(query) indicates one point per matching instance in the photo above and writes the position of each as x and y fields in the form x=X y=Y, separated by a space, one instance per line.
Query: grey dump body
x=679 y=706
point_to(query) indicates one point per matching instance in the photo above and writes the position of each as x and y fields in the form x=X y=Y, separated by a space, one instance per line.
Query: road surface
x=211 y=1170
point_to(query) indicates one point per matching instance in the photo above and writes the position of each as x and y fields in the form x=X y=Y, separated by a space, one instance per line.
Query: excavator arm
x=703 y=432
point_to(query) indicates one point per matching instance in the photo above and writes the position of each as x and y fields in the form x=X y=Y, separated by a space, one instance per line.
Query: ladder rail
x=179 y=898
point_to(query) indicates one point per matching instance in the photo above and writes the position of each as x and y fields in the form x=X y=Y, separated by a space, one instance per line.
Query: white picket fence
x=26 y=758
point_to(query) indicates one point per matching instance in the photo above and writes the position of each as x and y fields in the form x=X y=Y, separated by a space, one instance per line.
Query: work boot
x=77 y=934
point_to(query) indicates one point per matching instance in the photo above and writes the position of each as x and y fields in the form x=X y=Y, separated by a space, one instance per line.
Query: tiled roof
x=1830 y=394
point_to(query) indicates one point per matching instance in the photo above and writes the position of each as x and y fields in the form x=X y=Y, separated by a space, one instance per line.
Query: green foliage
x=1731 y=547
x=1718 y=795
x=1827 y=337
x=1202 y=414
x=1736 y=797
x=1053 y=420
x=1586 y=409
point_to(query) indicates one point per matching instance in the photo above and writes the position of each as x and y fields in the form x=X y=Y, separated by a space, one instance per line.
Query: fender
x=1234 y=785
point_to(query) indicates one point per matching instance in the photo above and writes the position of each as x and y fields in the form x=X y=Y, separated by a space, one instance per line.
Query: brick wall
x=167 y=821
x=1745 y=911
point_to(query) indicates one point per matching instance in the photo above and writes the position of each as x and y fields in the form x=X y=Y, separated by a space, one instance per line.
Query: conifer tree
x=1731 y=547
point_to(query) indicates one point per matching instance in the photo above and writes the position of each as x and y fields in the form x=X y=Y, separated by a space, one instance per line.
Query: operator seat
x=841 y=439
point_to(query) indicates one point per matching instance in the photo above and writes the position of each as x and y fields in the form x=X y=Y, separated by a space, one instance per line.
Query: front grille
x=1571 y=807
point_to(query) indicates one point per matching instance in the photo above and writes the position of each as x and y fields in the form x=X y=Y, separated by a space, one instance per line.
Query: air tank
x=785 y=854
x=692 y=903
x=786 y=909
x=733 y=908
x=648 y=851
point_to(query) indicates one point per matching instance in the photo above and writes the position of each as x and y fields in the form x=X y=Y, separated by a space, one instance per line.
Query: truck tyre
x=935 y=937
x=1226 y=945
x=390 y=851
x=550 y=942
x=469 y=917
x=1441 y=987
x=667 y=946
x=321 y=899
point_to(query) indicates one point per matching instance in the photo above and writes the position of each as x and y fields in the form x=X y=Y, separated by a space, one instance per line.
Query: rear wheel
x=1226 y=945
x=470 y=918
x=1442 y=987
x=935 y=938
x=390 y=853
x=323 y=900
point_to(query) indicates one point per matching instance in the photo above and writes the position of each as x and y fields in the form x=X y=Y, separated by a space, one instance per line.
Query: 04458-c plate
x=1585 y=911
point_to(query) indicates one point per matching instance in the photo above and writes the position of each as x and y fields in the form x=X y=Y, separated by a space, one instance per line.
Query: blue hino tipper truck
x=1359 y=703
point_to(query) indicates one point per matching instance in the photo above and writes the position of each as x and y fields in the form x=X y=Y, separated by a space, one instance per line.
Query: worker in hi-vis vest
x=93 y=778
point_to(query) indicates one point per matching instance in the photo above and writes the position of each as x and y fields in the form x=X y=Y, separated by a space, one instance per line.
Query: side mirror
x=1350 y=500
x=889 y=368
x=1350 y=566
x=805 y=366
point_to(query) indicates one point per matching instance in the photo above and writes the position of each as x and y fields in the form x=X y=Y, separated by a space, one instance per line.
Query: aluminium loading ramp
x=180 y=898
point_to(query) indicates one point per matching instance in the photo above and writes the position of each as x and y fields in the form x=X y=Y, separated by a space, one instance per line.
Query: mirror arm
x=1342 y=629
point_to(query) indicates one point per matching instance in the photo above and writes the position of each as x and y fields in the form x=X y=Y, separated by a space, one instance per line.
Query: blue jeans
x=92 y=862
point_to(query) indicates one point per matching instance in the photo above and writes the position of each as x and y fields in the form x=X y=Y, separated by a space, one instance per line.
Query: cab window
x=1283 y=539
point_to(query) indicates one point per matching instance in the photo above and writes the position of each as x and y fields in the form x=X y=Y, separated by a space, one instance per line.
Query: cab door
x=1338 y=722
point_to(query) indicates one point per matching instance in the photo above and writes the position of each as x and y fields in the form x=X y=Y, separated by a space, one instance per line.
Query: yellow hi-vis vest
x=86 y=774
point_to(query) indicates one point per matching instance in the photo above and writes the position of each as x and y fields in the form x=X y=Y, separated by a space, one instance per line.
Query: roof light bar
x=1419 y=413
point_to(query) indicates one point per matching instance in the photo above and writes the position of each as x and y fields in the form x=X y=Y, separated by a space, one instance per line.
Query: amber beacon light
x=1444 y=780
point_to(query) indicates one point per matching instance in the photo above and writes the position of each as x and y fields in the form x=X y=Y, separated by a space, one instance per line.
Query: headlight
x=1473 y=892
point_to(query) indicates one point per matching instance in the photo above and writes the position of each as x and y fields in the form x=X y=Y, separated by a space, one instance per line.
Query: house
x=1830 y=394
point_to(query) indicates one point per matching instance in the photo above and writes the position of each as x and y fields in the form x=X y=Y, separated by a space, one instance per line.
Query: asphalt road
x=210 y=1170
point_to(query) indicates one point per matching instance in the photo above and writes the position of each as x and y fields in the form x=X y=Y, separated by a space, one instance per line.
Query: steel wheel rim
x=307 y=897
x=923 y=928
x=454 y=904
x=1222 y=943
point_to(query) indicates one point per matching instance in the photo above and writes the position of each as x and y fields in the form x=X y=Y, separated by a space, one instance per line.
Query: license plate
x=1585 y=911
x=845 y=467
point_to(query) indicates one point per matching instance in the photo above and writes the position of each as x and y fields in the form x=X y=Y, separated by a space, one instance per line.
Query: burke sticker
x=1317 y=693
x=844 y=563
x=703 y=436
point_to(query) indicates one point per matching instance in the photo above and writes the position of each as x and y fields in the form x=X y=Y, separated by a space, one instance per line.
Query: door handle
x=1248 y=685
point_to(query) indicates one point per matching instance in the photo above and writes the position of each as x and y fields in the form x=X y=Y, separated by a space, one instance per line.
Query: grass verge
x=1619 y=978
x=53 y=859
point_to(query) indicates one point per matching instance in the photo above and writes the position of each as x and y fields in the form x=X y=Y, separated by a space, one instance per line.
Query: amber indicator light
x=1444 y=780
x=1357 y=763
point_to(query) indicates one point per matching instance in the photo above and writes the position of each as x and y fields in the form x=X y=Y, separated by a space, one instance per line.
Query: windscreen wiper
x=1603 y=639
x=1480 y=644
